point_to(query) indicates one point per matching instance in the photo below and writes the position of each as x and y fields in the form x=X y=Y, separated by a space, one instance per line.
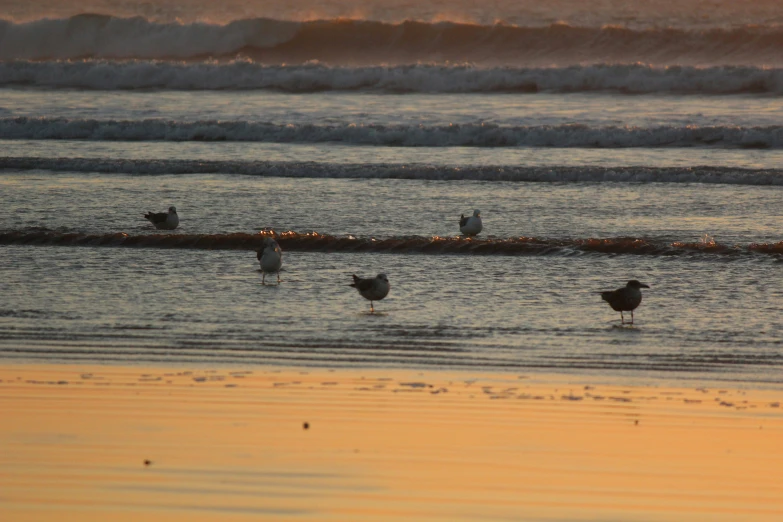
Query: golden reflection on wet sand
x=122 y=443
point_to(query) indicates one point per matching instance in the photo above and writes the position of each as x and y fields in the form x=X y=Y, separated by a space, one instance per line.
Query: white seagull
x=625 y=299
x=373 y=289
x=164 y=220
x=470 y=226
x=271 y=258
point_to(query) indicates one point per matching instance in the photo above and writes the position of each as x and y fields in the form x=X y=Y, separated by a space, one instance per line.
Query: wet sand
x=129 y=443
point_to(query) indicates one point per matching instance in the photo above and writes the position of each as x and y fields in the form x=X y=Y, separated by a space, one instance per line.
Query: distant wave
x=243 y=75
x=315 y=242
x=401 y=135
x=358 y=42
x=696 y=174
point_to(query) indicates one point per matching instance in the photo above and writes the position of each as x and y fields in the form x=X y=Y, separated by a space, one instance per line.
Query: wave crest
x=399 y=135
x=246 y=75
x=357 y=42
x=698 y=174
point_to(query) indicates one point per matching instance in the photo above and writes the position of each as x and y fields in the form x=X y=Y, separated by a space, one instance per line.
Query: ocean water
x=603 y=141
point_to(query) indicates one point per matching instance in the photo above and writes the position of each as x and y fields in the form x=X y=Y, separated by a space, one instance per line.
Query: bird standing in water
x=164 y=220
x=373 y=289
x=271 y=258
x=625 y=299
x=471 y=226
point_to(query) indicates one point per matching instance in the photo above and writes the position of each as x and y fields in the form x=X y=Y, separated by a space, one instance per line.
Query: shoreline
x=87 y=442
x=578 y=376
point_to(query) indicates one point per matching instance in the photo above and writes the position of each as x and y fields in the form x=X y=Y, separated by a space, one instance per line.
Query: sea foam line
x=512 y=173
x=397 y=135
x=309 y=78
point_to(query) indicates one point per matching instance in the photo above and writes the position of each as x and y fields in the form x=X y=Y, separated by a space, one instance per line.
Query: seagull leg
x=278 y=277
x=263 y=278
x=622 y=318
x=631 y=316
x=372 y=308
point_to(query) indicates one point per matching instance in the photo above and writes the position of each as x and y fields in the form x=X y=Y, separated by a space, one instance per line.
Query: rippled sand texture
x=125 y=443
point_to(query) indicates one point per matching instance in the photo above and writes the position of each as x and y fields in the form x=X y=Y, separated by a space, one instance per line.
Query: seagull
x=271 y=258
x=373 y=289
x=164 y=220
x=625 y=299
x=470 y=226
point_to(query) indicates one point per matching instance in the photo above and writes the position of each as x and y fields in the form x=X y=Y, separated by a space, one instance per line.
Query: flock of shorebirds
x=270 y=256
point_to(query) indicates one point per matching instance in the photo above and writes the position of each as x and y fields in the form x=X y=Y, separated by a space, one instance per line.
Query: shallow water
x=369 y=108
x=701 y=318
x=602 y=142
x=220 y=204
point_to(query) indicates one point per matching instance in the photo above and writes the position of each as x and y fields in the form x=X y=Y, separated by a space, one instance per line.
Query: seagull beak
x=642 y=285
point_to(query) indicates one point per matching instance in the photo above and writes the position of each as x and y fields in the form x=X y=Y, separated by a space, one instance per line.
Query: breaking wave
x=697 y=174
x=308 y=78
x=315 y=242
x=399 y=135
x=356 y=42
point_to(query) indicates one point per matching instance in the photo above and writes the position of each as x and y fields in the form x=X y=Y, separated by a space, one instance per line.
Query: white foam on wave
x=244 y=74
x=401 y=135
x=513 y=173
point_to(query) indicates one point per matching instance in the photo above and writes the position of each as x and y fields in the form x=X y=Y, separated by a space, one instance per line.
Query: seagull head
x=633 y=283
x=477 y=213
x=268 y=242
x=382 y=277
x=172 y=210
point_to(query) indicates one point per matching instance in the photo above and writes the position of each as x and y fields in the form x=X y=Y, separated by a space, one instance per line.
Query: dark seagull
x=373 y=289
x=164 y=220
x=625 y=299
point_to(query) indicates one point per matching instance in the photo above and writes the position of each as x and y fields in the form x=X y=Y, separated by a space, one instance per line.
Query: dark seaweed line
x=315 y=242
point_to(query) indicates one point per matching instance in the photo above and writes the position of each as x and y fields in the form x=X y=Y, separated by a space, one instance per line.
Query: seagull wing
x=362 y=284
x=609 y=295
x=156 y=217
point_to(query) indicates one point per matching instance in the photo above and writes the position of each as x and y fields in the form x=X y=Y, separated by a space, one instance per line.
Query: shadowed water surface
x=187 y=306
x=224 y=204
